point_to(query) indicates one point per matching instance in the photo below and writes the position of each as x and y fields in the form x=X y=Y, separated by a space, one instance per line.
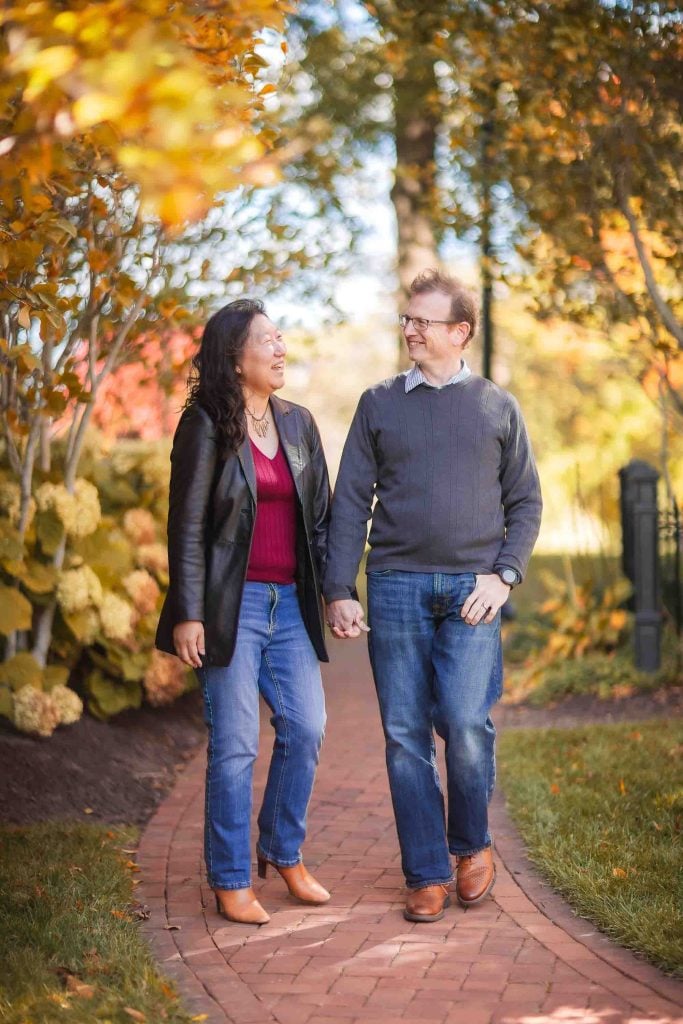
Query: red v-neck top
x=273 y=548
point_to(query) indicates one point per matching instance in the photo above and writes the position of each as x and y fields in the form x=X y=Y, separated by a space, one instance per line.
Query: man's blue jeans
x=435 y=672
x=274 y=657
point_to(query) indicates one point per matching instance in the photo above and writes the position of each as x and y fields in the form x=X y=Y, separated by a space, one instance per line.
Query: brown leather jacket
x=212 y=510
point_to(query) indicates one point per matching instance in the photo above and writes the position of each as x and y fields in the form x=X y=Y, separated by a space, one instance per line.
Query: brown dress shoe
x=240 y=906
x=475 y=877
x=298 y=879
x=427 y=903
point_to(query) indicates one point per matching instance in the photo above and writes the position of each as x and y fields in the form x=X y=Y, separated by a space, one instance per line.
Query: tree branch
x=667 y=317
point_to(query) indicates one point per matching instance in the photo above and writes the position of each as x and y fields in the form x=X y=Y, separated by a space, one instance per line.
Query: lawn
x=601 y=810
x=70 y=947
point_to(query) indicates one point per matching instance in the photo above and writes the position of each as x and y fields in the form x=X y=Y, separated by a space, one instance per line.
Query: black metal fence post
x=640 y=558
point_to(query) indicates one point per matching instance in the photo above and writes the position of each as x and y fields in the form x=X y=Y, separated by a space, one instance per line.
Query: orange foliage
x=144 y=398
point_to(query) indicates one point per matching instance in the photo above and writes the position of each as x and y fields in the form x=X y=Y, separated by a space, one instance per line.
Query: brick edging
x=511 y=850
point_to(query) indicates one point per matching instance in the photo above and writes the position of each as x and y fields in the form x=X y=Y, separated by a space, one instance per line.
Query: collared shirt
x=416 y=377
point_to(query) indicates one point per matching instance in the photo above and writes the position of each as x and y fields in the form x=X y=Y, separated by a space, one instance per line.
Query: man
x=445 y=456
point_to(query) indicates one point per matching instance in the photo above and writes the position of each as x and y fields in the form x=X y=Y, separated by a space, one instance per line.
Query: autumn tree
x=118 y=123
x=583 y=102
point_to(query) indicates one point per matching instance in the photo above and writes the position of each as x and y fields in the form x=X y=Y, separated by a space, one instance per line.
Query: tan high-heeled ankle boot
x=240 y=906
x=298 y=879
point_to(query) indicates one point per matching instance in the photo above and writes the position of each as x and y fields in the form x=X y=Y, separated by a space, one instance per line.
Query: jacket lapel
x=247 y=464
x=289 y=438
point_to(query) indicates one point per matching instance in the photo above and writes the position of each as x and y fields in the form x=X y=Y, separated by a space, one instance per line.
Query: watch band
x=513 y=576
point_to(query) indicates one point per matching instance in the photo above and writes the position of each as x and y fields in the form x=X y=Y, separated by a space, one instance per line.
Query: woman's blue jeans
x=435 y=672
x=273 y=657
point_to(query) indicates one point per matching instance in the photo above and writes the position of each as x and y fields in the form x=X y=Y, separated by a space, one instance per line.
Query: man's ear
x=462 y=331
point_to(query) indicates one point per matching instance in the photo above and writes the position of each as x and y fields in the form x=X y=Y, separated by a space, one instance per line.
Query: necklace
x=259 y=423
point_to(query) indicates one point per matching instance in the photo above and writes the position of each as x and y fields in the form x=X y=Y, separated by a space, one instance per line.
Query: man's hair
x=464 y=305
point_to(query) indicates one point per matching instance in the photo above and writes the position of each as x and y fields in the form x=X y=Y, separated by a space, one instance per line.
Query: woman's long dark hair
x=214 y=382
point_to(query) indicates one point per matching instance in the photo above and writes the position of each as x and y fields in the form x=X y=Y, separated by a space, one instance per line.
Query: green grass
x=70 y=948
x=601 y=811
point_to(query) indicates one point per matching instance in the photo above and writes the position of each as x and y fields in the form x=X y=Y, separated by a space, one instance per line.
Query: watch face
x=509 y=576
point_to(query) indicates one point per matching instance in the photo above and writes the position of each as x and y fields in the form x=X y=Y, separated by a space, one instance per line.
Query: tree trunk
x=414 y=189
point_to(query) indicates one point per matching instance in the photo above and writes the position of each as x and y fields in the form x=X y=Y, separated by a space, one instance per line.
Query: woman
x=247 y=526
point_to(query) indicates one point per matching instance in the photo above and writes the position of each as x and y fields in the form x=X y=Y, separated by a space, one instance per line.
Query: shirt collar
x=415 y=377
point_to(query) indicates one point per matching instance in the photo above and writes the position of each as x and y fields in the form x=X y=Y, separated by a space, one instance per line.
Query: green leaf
x=38 y=577
x=11 y=545
x=50 y=530
x=83 y=624
x=6 y=702
x=109 y=697
x=55 y=675
x=15 y=611
x=135 y=665
x=21 y=670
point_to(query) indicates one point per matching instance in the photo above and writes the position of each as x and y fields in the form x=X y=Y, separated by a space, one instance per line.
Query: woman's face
x=262 y=362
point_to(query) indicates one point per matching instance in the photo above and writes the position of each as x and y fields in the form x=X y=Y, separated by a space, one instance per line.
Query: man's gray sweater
x=452 y=476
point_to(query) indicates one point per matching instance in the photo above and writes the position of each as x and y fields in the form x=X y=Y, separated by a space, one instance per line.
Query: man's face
x=439 y=342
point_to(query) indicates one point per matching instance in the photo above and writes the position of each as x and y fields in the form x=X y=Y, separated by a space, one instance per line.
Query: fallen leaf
x=78 y=987
x=88 y=810
x=554 y=789
x=200 y=1017
x=635 y=735
x=622 y=787
x=135 y=1014
x=172 y=927
x=619 y=873
x=120 y=915
x=655 y=825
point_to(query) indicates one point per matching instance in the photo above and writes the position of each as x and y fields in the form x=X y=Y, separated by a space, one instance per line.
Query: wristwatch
x=508 y=575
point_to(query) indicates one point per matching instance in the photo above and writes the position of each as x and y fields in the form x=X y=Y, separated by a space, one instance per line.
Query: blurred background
x=160 y=158
x=317 y=156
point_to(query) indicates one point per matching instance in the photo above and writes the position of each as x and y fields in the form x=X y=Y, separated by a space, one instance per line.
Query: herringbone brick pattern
x=520 y=957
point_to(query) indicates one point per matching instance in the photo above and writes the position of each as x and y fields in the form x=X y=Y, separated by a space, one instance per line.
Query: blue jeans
x=434 y=672
x=273 y=657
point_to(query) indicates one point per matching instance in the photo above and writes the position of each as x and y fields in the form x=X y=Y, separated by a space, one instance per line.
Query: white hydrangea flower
x=79 y=512
x=140 y=526
x=153 y=557
x=68 y=704
x=78 y=589
x=164 y=679
x=10 y=503
x=35 y=712
x=116 y=616
x=143 y=590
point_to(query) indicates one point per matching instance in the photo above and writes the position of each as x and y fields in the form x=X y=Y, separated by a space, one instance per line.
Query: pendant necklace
x=259 y=423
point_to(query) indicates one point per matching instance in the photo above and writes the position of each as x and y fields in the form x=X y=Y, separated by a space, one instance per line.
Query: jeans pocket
x=380 y=572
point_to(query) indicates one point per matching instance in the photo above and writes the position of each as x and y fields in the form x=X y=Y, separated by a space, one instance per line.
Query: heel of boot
x=262 y=867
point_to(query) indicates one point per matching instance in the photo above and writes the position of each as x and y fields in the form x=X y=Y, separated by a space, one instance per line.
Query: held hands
x=188 y=640
x=488 y=596
x=345 y=619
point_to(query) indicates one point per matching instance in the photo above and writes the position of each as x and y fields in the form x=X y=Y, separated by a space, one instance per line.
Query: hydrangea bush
x=108 y=593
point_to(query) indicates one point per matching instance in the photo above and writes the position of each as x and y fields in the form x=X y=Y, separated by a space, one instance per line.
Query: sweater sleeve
x=521 y=495
x=351 y=507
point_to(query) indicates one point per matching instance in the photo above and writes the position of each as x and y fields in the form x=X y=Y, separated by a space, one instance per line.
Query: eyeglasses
x=420 y=323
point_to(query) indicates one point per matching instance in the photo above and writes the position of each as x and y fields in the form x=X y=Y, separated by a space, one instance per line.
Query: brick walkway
x=518 y=958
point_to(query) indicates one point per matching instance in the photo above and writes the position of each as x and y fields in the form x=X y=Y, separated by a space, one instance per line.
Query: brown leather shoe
x=427 y=904
x=240 y=906
x=475 y=877
x=298 y=879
